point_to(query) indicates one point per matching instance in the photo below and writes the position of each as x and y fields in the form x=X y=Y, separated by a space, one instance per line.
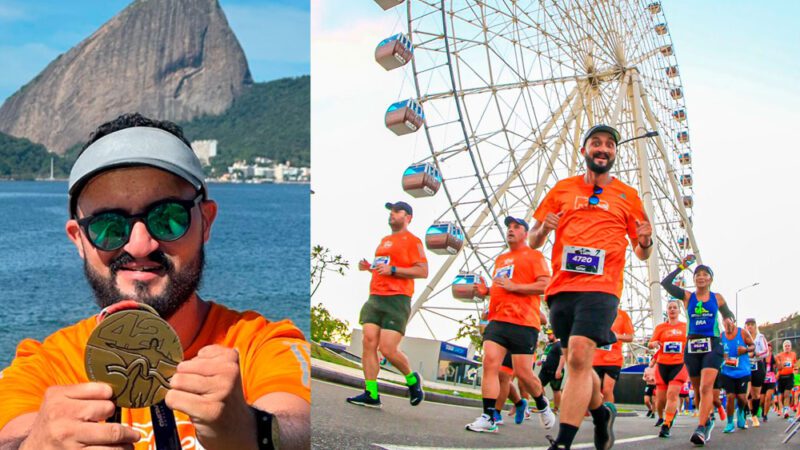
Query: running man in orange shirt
x=399 y=259
x=520 y=277
x=140 y=215
x=594 y=215
x=787 y=360
x=608 y=360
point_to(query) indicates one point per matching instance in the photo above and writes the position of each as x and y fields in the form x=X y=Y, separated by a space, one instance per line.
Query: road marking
x=575 y=446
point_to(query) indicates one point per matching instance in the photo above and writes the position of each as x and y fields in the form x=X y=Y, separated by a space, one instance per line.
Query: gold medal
x=135 y=351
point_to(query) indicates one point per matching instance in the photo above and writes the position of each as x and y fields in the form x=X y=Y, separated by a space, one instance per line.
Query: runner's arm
x=535 y=288
x=724 y=309
x=293 y=414
x=675 y=291
x=748 y=340
x=537 y=236
x=13 y=435
x=562 y=361
x=418 y=270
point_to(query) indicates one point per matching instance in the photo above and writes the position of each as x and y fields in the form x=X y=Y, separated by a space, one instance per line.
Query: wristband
x=681 y=266
x=267 y=430
x=394 y=270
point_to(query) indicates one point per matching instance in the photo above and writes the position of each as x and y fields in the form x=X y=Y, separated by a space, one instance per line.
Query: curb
x=333 y=376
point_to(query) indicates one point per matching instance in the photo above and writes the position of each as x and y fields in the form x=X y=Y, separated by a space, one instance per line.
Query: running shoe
x=604 y=432
x=482 y=424
x=785 y=412
x=740 y=421
x=664 y=433
x=756 y=423
x=498 y=418
x=764 y=417
x=365 y=399
x=659 y=422
x=415 y=393
x=553 y=445
x=729 y=428
x=699 y=436
x=528 y=413
x=519 y=416
x=709 y=427
x=547 y=418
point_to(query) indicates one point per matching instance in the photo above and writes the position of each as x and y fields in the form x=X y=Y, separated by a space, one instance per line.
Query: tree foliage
x=323 y=261
x=470 y=328
x=325 y=327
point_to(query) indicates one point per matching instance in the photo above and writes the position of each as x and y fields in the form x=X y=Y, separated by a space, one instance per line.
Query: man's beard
x=591 y=165
x=180 y=285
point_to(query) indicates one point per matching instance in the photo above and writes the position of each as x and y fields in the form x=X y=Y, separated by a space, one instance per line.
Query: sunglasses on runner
x=595 y=199
x=166 y=220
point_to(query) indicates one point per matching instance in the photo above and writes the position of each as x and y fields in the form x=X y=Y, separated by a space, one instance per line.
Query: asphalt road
x=398 y=425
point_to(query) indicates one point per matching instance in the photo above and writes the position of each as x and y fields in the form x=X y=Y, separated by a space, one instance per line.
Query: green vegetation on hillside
x=270 y=120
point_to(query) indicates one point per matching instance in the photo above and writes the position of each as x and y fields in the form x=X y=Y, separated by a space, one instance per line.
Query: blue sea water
x=257 y=258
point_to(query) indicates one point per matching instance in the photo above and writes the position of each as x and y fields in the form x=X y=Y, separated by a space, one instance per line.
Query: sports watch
x=267 y=430
x=394 y=270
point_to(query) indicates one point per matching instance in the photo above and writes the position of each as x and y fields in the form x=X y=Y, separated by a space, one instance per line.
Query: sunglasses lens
x=109 y=231
x=594 y=200
x=168 y=221
x=598 y=190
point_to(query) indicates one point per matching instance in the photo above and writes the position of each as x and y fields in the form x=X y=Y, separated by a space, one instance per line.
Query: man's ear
x=208 y=212
x=74 y=234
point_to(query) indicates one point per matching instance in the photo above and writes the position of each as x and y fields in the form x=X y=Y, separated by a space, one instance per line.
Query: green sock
x=411 y=379
x=372 y=388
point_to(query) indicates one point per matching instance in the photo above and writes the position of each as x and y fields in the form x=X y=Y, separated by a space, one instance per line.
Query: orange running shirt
x=602 y=227
x=273 y=357
x=787 y=357
x=611 y=355
x=402 y=249
x=522 y=266
x=673 y=342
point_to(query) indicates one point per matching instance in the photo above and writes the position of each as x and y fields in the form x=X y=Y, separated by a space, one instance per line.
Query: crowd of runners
x=594 y=218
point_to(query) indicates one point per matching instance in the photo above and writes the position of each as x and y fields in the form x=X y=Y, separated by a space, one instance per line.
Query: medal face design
x=136 y=352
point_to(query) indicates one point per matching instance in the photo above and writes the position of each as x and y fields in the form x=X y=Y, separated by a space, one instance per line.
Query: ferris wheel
x=504 y=91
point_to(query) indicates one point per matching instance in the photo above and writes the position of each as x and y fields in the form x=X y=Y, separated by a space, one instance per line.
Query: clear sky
x=738 y=61
x=273 y=33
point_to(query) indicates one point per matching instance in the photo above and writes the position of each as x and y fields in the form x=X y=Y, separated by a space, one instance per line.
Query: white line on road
x=575 y=446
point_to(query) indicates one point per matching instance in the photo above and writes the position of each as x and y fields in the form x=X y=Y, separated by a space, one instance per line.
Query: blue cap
x=510 y=219
x=401 y=206
x=704 y=268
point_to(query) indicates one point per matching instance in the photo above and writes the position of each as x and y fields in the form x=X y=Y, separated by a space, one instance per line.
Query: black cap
x=598 y=128
x=705 y=268
x=401 y=206
x=510 y=219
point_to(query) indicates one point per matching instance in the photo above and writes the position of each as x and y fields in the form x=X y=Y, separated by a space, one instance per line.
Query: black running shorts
x=767 y=386
x=650 y=390
x=735 y=385
x=758 y=376
x=696 y=362
x=517 y=339
x=550 y=378
x=609 y=371
x=785 y=383
x=587 y=314
x=507 y=361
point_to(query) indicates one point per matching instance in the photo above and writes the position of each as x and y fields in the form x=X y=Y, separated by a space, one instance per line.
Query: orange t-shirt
x=787 y=357
x=601 y=227
x=402 y=249
x=522 y=266
x=611 y=355
x=673 y=341
x=273 y=357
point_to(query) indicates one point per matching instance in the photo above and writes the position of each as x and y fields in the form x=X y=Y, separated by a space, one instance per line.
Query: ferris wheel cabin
x=654 y=8
x=679 y=115
x=661 y=29
x=422 y=180
x=683 y=137
x=388 y=4
x=672 y=71
x=404 y=117
x=394 y=51
x=685 y=158
x=688 y=202
x=666 y=50
x=444 y=238
x=464 y=287
x=676 y=93
x=683 y=243
x=686 y=180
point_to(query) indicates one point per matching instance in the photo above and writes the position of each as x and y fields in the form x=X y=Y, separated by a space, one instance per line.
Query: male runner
x=786 y=361
x=704 y=353
x=608 y=360
x=736 y=372
x=552 y=371
x=520 y=277
x=591 y=214
x=649 y=377
x=399 y=259
x=758 y=368
x=140 y=215
x=669 y=339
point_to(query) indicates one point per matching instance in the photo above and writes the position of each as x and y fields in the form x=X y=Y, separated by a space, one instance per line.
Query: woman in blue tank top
x=736 y=343
x=703 y=355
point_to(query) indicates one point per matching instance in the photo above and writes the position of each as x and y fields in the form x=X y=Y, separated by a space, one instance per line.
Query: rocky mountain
x=170 y=59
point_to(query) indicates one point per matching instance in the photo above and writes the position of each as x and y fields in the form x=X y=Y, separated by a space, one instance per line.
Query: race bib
x=732 y=362
x=505 y=272
x=379 y=260
x=753 y=366
x=787 y=364
x=673 y=347
x=702 y=345
x=583 y=260
x=770 y=378
x=605 y=348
